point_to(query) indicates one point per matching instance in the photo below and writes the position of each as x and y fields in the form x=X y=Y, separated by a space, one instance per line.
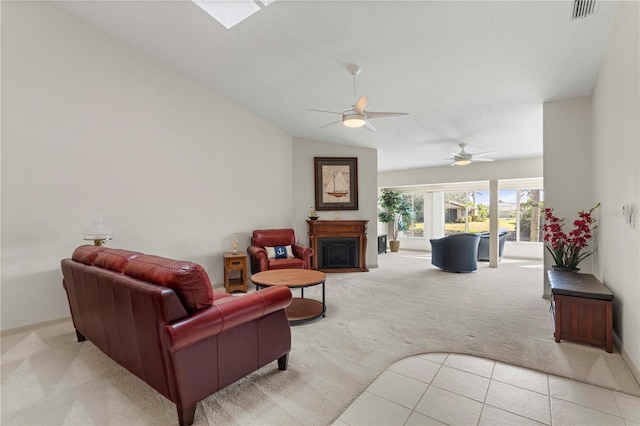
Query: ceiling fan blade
x=376 y=114
x=369 y=126
x=360 y=105
x=329 y=124
x=481 y=154
x=481 y=159
x=321 y=110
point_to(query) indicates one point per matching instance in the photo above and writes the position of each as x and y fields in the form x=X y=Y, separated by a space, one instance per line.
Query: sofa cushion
x=115 y=259
x=286 y=264
x=189 y=280
x=279 y=252
x=87 y=254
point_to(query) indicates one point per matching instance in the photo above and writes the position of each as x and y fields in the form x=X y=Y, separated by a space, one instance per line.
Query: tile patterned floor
x=454 y=389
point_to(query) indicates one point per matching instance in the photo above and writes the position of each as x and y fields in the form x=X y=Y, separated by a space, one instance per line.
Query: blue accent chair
x=456 y=252
x=483 y=248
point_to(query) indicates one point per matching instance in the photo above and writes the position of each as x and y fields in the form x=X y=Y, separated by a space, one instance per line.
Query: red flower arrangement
x=566 y=249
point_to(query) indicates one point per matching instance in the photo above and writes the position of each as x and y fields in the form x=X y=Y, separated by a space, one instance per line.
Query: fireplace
x=338 y=252
x=338 y=245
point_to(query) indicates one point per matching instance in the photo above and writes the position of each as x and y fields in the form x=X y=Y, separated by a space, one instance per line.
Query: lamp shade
x=462 y=162
x=98 y=232
x=353 y=120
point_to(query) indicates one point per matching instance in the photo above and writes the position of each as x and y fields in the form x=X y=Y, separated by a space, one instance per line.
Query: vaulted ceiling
x=474 y=72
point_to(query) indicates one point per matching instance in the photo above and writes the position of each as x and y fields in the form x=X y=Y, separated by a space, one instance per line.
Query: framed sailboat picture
x=336 y=182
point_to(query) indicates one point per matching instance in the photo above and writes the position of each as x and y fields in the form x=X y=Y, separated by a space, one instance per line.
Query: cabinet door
x=581 y=319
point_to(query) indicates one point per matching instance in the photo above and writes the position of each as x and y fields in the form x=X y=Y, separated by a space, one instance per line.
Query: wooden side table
x=236 y=281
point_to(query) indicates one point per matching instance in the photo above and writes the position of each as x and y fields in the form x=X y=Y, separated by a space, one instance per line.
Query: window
x=416 y=227
x=466 y=212
x=530 y=219
x=448 y=208
x=231 y=13
x=519 y=211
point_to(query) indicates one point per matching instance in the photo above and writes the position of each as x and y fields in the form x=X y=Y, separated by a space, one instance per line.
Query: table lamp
x=98 y=232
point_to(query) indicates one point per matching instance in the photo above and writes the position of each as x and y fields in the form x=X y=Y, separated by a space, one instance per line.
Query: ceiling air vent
x=583 y=8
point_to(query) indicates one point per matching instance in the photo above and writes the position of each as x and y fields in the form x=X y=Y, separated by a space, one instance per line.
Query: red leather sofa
x=262 y=238
x=160 y=319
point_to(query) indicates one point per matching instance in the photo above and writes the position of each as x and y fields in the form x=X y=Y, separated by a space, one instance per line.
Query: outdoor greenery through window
x=521 y=209
x=416 y=227
x=466 y=212
x=519 y=212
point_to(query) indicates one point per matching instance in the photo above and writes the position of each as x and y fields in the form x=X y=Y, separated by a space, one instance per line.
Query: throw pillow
x=279 y=252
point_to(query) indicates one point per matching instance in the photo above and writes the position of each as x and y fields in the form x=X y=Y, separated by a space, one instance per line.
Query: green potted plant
x=397 y=211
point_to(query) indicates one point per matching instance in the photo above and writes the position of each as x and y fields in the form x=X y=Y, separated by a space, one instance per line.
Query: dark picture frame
x=336 y=183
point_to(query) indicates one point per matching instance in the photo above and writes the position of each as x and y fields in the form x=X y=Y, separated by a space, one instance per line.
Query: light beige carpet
x=403 y=308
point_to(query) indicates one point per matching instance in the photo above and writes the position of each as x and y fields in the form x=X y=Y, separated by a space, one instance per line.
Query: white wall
x=591 y=154
x=567 y=165
x=89 y=124
x=505 y=169
x=615 y=177
x=304 y=150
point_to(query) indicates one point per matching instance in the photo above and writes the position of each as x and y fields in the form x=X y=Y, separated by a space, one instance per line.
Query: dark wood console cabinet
x=582 y=309
x=325 y=229
x=382 y=244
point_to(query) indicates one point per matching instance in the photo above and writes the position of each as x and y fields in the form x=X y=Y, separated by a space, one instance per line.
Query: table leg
x=557 y=311
x=324 y=307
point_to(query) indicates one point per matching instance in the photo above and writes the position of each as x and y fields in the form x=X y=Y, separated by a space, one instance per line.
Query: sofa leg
x=283 y=361
x=186 y=415
x=80 y=336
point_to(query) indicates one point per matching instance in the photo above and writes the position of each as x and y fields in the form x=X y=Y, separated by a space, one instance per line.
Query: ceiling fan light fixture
x=462 y=161
x=353 y=120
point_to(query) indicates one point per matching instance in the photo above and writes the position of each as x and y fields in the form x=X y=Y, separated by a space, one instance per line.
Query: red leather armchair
x=260 y=260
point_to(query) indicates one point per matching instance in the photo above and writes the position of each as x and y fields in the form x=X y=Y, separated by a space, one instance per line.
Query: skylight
x=231 y=12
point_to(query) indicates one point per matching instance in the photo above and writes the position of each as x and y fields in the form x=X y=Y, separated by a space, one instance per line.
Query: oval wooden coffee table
x=300 y=310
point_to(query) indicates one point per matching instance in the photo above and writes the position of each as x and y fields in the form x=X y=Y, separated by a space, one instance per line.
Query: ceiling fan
x=357 y=116
x=463 y=157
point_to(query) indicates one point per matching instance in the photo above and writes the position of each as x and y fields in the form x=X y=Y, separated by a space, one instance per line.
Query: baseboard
x=32 y=327
x=625 y=356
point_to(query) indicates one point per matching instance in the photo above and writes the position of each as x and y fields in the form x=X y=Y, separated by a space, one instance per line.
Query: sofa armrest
x=224 y=314
x=259 y=259
x=257 y=252
x=302 y=252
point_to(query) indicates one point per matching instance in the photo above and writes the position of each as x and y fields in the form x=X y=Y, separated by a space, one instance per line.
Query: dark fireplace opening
x=338 y=252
